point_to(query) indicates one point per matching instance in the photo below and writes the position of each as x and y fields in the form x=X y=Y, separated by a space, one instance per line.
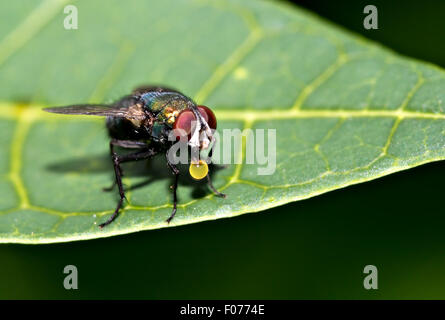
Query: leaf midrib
x=33 y=112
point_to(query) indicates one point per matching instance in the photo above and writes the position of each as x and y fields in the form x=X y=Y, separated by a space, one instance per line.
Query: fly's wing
x=89 y=109
x=120 y=110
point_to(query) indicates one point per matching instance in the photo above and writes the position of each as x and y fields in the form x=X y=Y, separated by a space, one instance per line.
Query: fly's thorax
x=165 y=105
x=165 y=118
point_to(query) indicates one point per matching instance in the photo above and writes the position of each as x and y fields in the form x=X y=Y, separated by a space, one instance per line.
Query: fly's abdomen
x=123 y=129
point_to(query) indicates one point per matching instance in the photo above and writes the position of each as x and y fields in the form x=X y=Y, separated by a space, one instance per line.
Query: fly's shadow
x=153 y=170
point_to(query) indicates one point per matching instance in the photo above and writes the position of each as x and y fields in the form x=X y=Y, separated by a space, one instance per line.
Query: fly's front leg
x=117 y=160
x=209 y=180
x=174 y=187
x=216 y=192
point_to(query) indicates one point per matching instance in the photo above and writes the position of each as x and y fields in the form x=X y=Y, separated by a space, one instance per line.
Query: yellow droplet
x=199 y=170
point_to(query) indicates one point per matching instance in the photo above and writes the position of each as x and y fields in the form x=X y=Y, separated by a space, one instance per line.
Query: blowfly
x=144 y=120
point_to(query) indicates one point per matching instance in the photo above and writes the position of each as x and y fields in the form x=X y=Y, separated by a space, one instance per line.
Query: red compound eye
x=186 y=117
x=184 y=121
x=208 y=116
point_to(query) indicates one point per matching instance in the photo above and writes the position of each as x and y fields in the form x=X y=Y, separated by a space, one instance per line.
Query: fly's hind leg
x=117 y=160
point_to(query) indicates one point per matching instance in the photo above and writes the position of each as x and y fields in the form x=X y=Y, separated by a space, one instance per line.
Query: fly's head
x=198 y=124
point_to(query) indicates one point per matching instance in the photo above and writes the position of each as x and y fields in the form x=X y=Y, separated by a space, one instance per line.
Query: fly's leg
x=113 y=156
x=118 y=181
x=209 y=180
x=174 y=187
x=216 y=192
x=117 y=160
x=124 y=144
x=175 y=198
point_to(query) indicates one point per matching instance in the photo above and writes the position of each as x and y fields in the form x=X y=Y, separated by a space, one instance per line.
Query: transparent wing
x=97 y=110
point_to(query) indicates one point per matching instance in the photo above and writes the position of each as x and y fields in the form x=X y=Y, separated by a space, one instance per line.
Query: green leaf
x=345 y=110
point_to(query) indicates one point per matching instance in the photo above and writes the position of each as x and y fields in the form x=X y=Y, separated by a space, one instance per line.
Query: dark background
x=315 y=248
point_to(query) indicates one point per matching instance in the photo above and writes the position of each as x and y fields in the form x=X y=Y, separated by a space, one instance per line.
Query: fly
x=144 y=120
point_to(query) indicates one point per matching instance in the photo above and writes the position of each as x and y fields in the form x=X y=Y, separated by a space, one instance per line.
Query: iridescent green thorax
x=165 y=105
